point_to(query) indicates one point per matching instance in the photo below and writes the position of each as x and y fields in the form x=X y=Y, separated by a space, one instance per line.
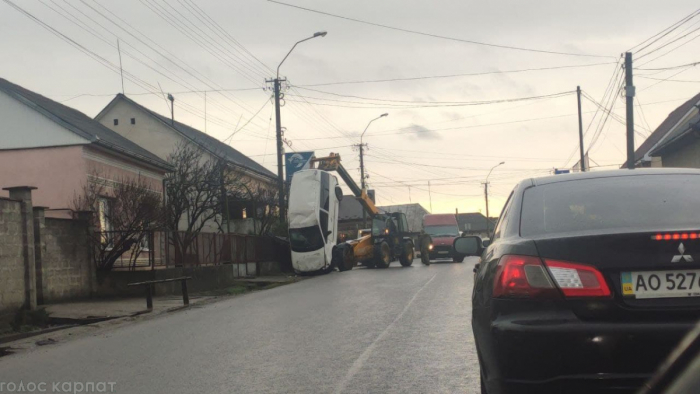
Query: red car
x=443 y=230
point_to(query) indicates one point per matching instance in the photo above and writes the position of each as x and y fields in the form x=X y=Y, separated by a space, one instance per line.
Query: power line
x=665 y=68
x=369 y=105
x=664 y=32
x=451 y=75
x=437 y=35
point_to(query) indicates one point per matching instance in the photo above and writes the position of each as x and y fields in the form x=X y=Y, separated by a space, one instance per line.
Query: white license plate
x=443 y=252
x=661 y=284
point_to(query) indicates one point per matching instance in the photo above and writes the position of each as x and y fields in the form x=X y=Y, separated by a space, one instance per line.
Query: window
x=145 y=245
x=612 y=204
x=325 y=192
x=503 y=220
x=116 y=122
x=305 y=239
x=133 y=120
x=104 y=213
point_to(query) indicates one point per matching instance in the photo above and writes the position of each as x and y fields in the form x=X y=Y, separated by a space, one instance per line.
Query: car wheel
x=481 y=383
x=458 y=259
x=344 y=257
x=382 y=255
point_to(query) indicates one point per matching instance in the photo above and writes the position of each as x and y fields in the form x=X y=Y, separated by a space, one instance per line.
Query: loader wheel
x=406 y=258
x=343 y=257
x=382 y=255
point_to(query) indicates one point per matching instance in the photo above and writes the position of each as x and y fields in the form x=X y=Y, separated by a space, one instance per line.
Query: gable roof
x=476 y=221
x=661 y=132
x=677 y=137
x=207 y=142
x=81 y=124
x=350 y=207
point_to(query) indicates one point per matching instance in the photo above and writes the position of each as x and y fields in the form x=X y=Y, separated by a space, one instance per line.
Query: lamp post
x=277 y=88
x=362 y=162
x=486 y=195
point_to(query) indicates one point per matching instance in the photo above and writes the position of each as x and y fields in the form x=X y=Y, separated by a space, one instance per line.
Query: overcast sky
x=171 y=44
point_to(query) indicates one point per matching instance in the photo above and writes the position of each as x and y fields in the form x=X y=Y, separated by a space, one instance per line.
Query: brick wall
x=66 y=272
x=12 y=295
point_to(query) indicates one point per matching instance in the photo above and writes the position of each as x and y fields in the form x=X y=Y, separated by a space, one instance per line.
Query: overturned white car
x=314 y=202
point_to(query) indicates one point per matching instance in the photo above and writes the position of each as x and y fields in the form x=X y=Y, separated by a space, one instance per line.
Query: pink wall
x=55 y=172
x=59 y=173
x=114 y=168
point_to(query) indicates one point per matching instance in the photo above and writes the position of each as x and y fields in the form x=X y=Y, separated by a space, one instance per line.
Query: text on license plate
x=661 y=284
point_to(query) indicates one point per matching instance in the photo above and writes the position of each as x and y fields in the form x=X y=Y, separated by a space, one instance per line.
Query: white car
x=314 y=201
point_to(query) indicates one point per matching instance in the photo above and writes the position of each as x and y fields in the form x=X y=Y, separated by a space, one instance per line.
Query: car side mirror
x=339 y=193
x=468 y=246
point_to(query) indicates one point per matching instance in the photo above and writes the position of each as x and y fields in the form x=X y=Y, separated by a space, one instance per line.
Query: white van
x=314 y=202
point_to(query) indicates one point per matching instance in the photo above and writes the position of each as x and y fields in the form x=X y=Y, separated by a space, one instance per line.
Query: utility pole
x=277 y=87
x=362 y=179
x=629 y=94
x=580 y=129
x=362 y=147
x=430 y=196
x=486 y=195
x=280 y=148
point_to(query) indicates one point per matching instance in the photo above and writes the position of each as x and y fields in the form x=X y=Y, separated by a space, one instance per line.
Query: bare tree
x=125 y=210
x=197 y=192
x=265 y=208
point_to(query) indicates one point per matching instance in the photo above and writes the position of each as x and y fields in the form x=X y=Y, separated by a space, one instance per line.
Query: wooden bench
x=149 y=293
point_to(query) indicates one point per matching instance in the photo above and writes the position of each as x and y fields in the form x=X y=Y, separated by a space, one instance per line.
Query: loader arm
x=332 y=163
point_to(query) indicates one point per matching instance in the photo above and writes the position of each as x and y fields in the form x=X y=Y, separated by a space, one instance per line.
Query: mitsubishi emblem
x=682 y=256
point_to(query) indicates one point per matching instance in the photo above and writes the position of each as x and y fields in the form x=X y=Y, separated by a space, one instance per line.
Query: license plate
x=661 y=284
x=443 y=252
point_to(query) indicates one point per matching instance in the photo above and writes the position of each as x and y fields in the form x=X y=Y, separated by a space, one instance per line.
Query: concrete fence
x=42 y=260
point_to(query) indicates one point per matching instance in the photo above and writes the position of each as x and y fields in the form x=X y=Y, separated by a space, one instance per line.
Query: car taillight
x=522 y=276
x=527 y=277
x=578 y=280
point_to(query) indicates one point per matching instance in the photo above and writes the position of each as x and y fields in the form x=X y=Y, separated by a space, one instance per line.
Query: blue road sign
x=297 y=161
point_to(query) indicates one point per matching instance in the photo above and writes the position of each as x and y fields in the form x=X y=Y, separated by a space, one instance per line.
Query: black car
x=590 y=281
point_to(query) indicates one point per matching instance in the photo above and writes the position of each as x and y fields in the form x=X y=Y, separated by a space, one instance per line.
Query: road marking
x=357 y=365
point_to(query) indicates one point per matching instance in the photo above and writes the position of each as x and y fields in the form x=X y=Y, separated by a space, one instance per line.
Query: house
x=59 y=150
x=675 y=142
x=414 y=214
x=474 y=223
x=162 y=136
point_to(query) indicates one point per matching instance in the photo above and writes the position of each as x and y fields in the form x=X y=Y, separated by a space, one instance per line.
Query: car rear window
x=642 y=202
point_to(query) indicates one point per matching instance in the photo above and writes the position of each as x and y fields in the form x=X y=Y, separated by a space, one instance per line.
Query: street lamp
x=362 y=165
x=276 y=83
x=486 y=195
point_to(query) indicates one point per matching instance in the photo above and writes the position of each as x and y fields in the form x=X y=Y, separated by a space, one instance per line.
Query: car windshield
x=442 y=231
x=306 y=239
x=643 y=202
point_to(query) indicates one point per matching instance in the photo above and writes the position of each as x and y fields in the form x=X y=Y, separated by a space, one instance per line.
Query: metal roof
x=209 y=143
x=81 y=124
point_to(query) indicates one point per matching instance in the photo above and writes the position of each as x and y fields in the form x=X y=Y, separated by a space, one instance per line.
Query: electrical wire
x=437 y=35
x=450 y=75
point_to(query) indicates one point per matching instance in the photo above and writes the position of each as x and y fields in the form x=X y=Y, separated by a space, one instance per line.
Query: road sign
x=558 y=171
x=297 y=161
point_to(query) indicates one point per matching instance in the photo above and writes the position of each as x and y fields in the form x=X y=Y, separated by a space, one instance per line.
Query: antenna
x=121 y=70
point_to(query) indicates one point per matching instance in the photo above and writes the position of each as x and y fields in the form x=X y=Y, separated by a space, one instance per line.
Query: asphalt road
x=398 y=330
